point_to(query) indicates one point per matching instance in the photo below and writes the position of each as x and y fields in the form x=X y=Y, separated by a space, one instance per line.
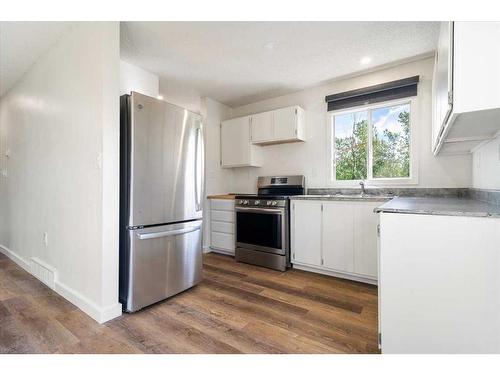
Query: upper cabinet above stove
x=282 y=125
x=466 y=93
x=236 y=150
x=242 y=137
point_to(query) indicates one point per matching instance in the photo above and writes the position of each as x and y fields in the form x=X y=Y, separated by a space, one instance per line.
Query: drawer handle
x=175 y=232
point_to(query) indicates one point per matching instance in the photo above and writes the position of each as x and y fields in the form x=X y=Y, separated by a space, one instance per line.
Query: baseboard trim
x=222 y=251
x=20 y=261
x=340 y=275
x=100 y=315
x=206 y=249
x=87 y=306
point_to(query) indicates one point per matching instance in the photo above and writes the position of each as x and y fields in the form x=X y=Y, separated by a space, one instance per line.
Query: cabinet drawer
x=226 y=216
x=222 y=241
x=219 y=226
x=222 y=204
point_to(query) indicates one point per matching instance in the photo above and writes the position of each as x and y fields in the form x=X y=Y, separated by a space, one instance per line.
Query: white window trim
x=414 y=147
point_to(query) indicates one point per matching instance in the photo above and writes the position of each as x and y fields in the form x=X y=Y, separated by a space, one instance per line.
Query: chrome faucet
x=362 y=184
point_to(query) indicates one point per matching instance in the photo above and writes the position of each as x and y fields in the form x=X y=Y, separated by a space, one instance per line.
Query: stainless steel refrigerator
x=161 y=195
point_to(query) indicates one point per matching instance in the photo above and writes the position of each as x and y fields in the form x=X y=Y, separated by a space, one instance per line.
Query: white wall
x=181 y=94
x=217 y=179
x=310 y=158
x=486 y=166
x=61 y=124
x=133 y=78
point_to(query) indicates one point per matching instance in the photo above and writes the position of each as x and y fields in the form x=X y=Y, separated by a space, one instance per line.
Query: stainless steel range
x=263 y=222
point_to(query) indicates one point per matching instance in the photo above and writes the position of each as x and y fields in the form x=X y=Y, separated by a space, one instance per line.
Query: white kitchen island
x=439 y=276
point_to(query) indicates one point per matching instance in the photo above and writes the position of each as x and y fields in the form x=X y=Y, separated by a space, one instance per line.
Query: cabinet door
x=443 y=77
x=306 y=232
x=235 y=142
x=262 y=127
x=338 y=236
x=365 y=239
x=285 y=123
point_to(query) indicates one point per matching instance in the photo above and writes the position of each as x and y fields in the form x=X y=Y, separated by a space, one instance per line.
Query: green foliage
x=352 y=153
x=391 y=152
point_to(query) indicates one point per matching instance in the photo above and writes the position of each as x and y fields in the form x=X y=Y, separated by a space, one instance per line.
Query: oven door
x=261 y=229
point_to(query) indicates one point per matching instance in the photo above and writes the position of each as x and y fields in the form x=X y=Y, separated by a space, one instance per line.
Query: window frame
x=331 y=165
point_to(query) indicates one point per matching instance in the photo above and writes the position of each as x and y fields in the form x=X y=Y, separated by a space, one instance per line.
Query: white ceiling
x=242 y=62
x=21 y=44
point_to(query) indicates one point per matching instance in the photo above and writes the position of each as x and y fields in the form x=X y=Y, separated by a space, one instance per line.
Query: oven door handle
x=260 y=210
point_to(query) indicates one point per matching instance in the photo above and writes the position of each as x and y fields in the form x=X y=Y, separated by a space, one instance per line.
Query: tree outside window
x=379 y=137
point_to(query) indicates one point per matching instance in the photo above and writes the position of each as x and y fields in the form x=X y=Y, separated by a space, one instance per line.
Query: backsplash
x=401 y=192
x=486 y=195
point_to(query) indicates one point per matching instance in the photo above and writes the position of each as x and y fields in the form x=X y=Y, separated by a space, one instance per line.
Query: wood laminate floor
x=237 y=308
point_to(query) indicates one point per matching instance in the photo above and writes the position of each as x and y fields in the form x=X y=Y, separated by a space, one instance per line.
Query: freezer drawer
x=163 y=261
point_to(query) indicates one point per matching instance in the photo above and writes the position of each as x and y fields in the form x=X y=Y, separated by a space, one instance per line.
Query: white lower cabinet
x=306 y=218
x=338 y=238
x=439 y=288
x=366 y=239
x=222 y=237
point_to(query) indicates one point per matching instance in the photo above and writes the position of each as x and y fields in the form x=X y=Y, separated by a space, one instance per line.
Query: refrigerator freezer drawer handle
x=148 y=236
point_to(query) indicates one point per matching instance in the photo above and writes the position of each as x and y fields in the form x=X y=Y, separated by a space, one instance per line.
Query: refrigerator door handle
x=175 y=232
x=198 y=164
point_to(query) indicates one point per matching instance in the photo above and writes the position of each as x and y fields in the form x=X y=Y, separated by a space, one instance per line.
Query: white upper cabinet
x=466 y=89
x=262 y=127
x=279 y=126
x=236 y=149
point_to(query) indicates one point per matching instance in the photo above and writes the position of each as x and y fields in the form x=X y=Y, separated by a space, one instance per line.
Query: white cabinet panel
x=279 y=126
x=439 y=284
x=262 y=127
x=222 y=204
x=365 y=240
x=466 y=102
x=236 y=149
x=285 y=123
x=226 y=216
x=223 y=241
x=223 y=227
x=222 y=218
x=338 y=236
x=306 y=232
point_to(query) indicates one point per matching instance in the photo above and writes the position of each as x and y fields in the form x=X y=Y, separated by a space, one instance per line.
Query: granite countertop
x=344 y=197
x=440 y=206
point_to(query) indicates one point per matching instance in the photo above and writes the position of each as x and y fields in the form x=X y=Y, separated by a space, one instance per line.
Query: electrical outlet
x=45 y=239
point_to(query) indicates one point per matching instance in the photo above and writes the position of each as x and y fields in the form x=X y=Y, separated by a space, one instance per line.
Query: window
x=372 y=143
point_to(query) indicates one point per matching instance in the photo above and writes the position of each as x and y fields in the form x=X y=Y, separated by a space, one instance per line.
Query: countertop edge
x=349 y=199
x=222 y=196
x=435 y=213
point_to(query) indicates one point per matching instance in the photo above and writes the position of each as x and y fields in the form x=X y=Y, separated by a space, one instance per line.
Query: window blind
x=402 y=88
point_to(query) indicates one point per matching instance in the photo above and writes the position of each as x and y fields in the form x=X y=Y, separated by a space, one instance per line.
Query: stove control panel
x=262 y=202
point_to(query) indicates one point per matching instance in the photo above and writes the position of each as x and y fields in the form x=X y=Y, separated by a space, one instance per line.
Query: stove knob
x=275 y=203
x=256 y=203
x=245 y=202
x=268 y=203
x=240 y=201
